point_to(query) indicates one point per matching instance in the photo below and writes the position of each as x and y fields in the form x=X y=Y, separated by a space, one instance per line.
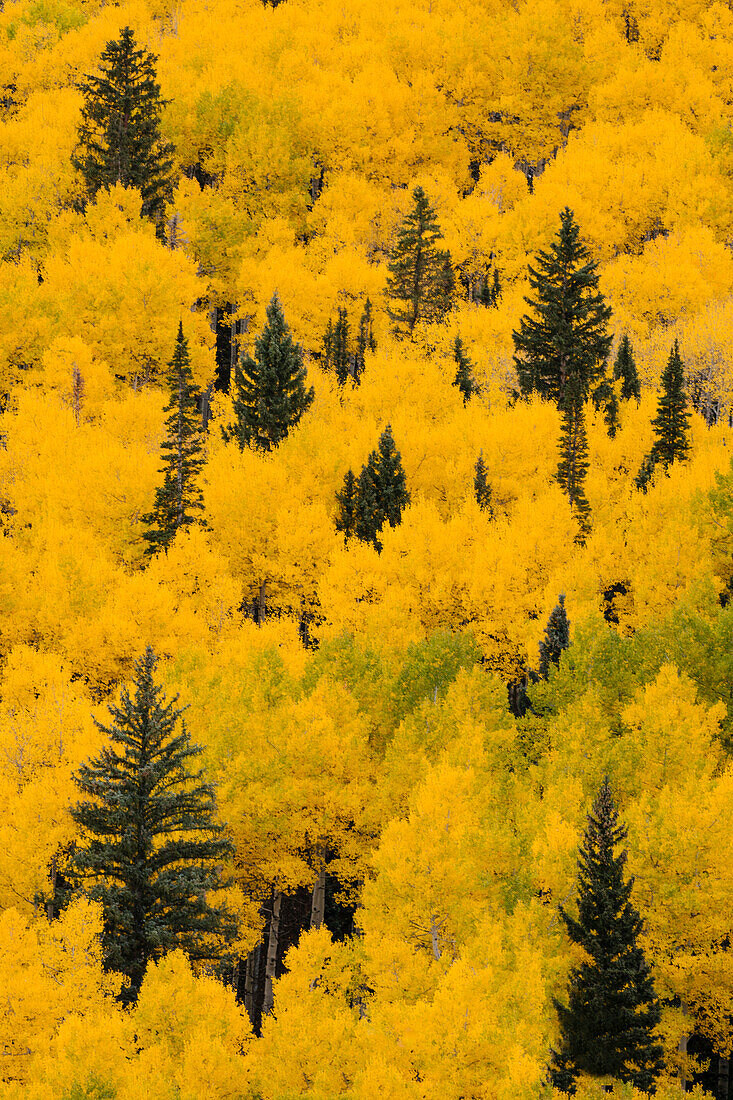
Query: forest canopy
x=366 y=405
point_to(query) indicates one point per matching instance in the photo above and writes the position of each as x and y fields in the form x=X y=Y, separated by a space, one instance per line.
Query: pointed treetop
x=556 y=639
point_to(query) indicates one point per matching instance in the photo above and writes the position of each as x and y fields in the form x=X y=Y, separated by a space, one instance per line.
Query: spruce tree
x=150 y=849
x=368 y=517
x=672 y=422
x=270 y=392
x=481 y=486
x=624 y=368
x=464 y=371
x=608 y=1026
x=119 y=137
x=556 y=639
x=573 y=464
x=365 y=340
x=604 y=397
x=340 y=359
x=179 y=500
x=421 y=283
x=390 y=483
x=562 y=346
x=346 y=500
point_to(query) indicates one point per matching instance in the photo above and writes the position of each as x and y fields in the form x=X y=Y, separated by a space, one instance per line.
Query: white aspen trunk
x=318 y=903
x=272 y=945
x=682 y=1048
x=251 y=969
x=50 y=904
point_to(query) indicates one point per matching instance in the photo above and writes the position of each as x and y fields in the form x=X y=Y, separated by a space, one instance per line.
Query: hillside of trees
x=366 y=550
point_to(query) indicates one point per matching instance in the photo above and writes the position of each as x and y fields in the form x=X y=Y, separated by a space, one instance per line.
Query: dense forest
x=366 y=549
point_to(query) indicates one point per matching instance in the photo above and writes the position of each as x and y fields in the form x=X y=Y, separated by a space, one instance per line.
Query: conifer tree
x=179 y=500
x=346 y=500
x=573 y=464
x=604 y=397
x=340 y=348
x=481 y=486
x=390 y=483
x=421 y=283
x=672 y=422
x=365 y=340
x=368 y=517
x=624 y=368
x=556 y=639
x=270 y=392
x=608 y=1027
x=119 y=137
x=328 y=346
x=562 y=346
x=464 y=371
x=150 y=848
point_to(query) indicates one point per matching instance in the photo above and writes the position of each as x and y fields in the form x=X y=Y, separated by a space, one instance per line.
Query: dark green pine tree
x=364 y=341
x=119 y=137
x=604 y=397
x=562 y=346
x=481 y=486
x=421 y=283
x=556 y=639
x=464 y=371
x=327 y=358
x=624 y=368
x=672 y=422
x=368 y=518
x=340 y=359
x=346 y=500
x=179 y=500
x=390 y=483
x=270 y=394
x=150 y=848
x=573 y=464
x=609 y=1025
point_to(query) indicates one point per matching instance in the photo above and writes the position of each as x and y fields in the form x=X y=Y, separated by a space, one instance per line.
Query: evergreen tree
x=150 y=849
x=481 y=486
x=179 y=500
x=604 y=397
x=346 y=500
x=368 y=518
x=672 y=422
x=341 y=361
x=645 y=474
x=119 y=137
x=608 y=1027
x=556 y=639
x=270 y=393
x=365 y=340
x=328 y=346
x=561 y=349
x=390 y=483
x=464 y=371
x=421 y=280
x=573 y=464
x=624 y=368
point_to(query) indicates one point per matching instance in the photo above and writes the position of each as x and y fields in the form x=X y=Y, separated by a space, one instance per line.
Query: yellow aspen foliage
x=50 y=970
x=46 y=731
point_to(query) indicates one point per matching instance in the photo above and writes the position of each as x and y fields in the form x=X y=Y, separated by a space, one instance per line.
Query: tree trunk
x=318 y=904
x=682 y=1049
x=50 y=907
x=251 y=970
x=272 y=945
x=723 y=1077
x=261 y=603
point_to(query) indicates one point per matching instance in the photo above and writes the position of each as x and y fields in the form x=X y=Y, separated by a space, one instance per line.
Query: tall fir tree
x=464 y=371
x=341 y=360
x=179 y=500
x=346 y=501
x=672 y=422
x=421 y=283
x=270 y=394
x=150 y=849
x=604 y=397
x=378 y=496
x=365 y=340
x=119 y=139
x=624 y=368
x=556 y=638
x=562 y=346
x=481 y=486
x=388 y=475
x=573 y=464
x=608 y=1027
